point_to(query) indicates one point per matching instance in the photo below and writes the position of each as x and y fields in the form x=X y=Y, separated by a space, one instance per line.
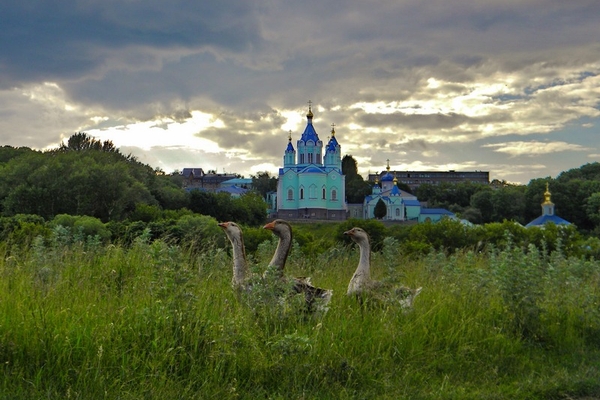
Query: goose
x=283 y=230
x=241 y=273
x=361 y=283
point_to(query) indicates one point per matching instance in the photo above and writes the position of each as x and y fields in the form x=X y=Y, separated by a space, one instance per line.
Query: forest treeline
x=575 y=193
x=93 y=189
x=93 y=178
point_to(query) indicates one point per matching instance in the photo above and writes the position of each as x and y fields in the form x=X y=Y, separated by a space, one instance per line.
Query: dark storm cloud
x=44 y=40
x=496 y=68
x=414 y=121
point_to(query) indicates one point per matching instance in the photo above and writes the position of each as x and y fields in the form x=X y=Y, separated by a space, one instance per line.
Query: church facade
x=400 y=205
x=311 y=183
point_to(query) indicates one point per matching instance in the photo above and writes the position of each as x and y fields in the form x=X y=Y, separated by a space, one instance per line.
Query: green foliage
x=248 y=209
x=592 y=208
x=200 y=231
x=19 y=231
x=447 y=194
x=83 y=225
x=356 y=187
x=253 y=209
x=152 y=320
x=444 y=235
x=518 y=278
x=375 y=229
x=146 y=213
x=254 y=236
x=100 y=183
x=263 y=183
x=81 y=141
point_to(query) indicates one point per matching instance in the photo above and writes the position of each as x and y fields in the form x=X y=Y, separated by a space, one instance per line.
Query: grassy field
x=158 y=322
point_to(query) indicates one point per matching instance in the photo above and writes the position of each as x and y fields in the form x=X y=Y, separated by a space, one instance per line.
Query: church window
x=310 y=158
x=319 y=159
x=333 y=195
x=397 y=212
x=290 y=194
x=301 y=158
x=301 y=193
x=324 y=193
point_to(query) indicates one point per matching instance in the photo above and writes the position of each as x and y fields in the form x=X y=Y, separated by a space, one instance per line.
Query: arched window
x=333 y=195
x=301 y=193
x=324 y=193
x=290 y=194
x=397 y=212
x=319 y=159
x=310 y=158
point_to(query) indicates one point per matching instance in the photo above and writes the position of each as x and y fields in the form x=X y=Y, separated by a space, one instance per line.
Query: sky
x=506 y=86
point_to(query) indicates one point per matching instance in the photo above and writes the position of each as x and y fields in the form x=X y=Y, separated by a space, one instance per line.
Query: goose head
x=279 y=227
x=358 y=235
x=232 y=230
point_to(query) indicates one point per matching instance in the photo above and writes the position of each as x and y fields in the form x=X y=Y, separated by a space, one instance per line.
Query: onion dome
x=333 y=143
x=395 y=190
x=290 y=147
x=388 y=177
x=309 y=132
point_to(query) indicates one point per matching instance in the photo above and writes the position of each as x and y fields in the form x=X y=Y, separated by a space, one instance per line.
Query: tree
x=254 y=208
x=482 y=201
x=357 y=190
x=349 y=167
x=81 y=141
x=592 y=208
x=76 y=180
x=380 y=210
x=263 y=183
x=356 y=187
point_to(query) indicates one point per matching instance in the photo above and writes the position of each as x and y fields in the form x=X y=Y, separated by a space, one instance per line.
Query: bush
x=200 y=231
x=83 y=226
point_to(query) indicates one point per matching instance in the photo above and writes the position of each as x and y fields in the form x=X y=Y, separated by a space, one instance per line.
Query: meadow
x=154 y=320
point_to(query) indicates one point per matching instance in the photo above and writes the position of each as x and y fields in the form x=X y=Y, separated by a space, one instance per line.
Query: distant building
x=197 y=178
x=547 y=213
x=416 y=178
x=311 y=186
x=401 y=206
x=245 y=183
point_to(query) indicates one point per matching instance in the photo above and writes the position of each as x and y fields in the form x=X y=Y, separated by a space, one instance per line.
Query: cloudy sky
x=506 y=86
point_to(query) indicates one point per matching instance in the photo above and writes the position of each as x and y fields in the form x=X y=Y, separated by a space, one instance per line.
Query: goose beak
x=349 y=233
x=270 y=226
x=224 y=225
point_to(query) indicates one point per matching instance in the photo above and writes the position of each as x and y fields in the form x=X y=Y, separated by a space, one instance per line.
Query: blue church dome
x=544 y=219
x=387 y=177
x=309 y=132
x=332 y=145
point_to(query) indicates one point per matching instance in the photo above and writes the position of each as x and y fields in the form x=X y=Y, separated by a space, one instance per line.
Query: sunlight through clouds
x=427 y=87
x=163 y=133
x=534 y=148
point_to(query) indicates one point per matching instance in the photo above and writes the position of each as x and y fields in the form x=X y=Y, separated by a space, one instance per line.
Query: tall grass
x=82 y=320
